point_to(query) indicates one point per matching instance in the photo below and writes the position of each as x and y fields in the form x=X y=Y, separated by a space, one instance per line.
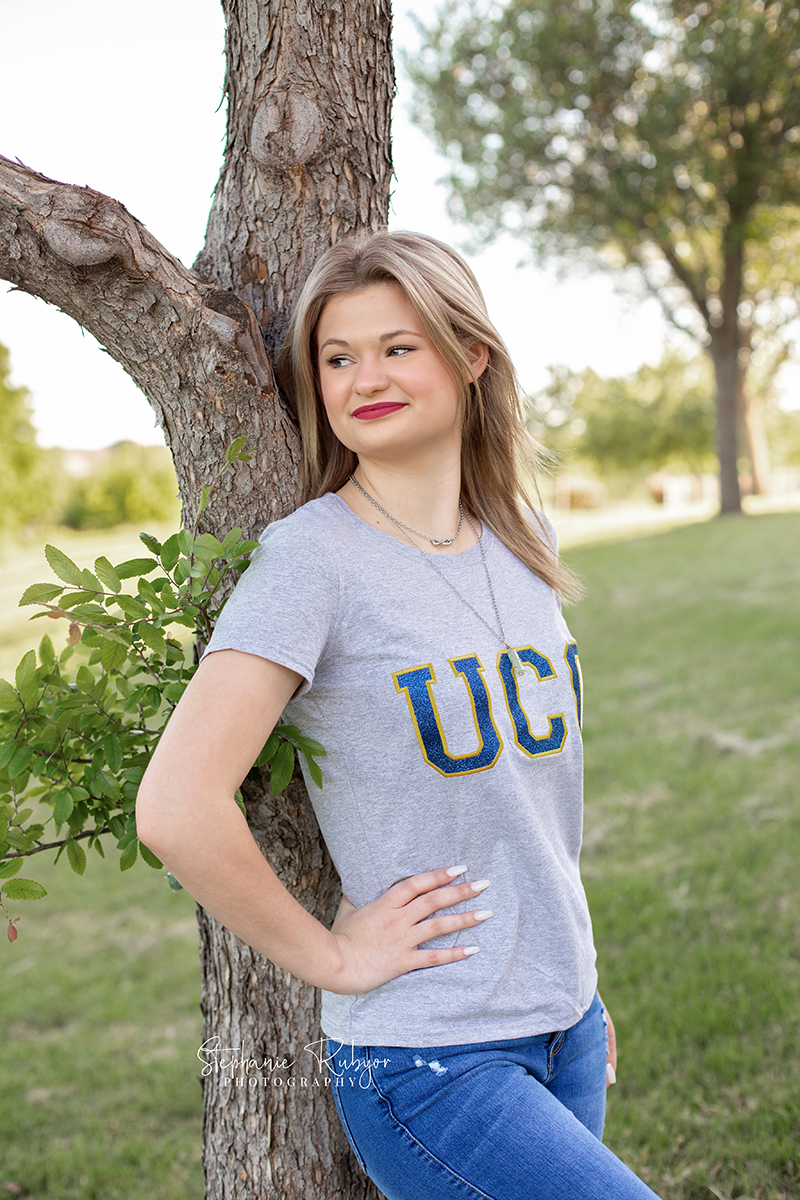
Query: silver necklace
x=433 y=541
x=516 y=662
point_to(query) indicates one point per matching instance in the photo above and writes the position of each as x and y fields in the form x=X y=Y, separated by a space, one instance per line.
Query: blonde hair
x=498 y=454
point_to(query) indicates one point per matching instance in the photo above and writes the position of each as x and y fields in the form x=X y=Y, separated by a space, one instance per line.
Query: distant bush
x=26 y=492
x=131 y=485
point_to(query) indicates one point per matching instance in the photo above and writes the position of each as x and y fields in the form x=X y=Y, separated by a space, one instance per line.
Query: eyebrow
x=385 y=337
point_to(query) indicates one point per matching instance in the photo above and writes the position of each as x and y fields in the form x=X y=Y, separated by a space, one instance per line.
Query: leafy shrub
x=80 y=744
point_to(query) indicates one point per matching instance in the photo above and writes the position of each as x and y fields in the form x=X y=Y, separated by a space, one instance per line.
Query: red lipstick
x=368 y=412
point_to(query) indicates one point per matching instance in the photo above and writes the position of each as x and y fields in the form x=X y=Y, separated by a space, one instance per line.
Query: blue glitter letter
x=556 y=736
x=428 y=724
x=573 y=662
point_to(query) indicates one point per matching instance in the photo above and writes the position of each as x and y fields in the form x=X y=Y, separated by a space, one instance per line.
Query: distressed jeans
x=504 y=1120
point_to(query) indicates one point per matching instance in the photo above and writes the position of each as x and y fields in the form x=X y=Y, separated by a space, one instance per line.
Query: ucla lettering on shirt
x=417 y=683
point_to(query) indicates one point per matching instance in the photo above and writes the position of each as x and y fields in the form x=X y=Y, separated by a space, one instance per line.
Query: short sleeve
x=285 y=606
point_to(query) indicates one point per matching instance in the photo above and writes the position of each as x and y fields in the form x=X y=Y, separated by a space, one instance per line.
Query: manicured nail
x=481 y=885
x=471 y=950
x=453 y=871
x=611 y=1074
x=483 y=914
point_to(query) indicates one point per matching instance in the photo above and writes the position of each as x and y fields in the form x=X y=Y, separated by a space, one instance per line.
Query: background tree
x=25 y=491
x=130 y=484
x=664 y=137
x=307 y=160
x=657 y=417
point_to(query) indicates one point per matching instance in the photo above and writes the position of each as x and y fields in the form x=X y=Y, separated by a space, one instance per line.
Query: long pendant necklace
x=516 y=662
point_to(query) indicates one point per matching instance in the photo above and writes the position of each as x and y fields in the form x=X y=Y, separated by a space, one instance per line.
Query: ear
x=479 y=358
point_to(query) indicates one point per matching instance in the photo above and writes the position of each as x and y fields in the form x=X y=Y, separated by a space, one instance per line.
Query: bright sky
x=125 y=98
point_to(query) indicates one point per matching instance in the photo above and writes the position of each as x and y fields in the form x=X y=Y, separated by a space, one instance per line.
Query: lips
x=369 y=412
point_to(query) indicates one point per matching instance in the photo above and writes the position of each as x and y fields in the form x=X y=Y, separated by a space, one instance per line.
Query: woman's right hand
x=380 y=940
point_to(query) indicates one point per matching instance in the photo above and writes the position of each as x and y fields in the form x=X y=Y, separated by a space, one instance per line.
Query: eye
x=396 y=351
x=337 y=360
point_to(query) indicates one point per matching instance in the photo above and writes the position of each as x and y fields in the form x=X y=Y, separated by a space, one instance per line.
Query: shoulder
x=310 y=528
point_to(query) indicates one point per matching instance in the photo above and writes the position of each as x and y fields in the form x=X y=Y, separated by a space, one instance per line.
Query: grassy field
x=690 y=644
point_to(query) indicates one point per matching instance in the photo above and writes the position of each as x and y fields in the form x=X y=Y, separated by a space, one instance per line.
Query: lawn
x=690 y=645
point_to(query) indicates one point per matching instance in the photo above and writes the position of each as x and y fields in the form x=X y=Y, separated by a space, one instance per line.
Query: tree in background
x=664 y=137
x=658 y=417
x=131 y=484
x=307 y=161
x=25 y=492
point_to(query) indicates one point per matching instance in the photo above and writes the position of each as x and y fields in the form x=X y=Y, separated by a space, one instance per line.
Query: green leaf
x=7 y=750
x=20 y=761
x=282 y=768
x=8 y=696
x=10 y=867
x=232 y=453
x=153 y=638
x=128 y=856
x=77 y=857
x=205 y=496
x=84 y=680
x=112 y=748
x=231 y=540
x=62 y=809
x=113 y=654
x=47 y=654
x=149 y=857
x=26 y=669
x=90 y=582
x=134 y=610
x=135 y=566
x=313 y=770
x=63 y=567
x=170 y=553
x=185 y=542
x=206 y=546
x=39 y=593
x=153 y=544
x=23 y=889
x=173 y=883
x=107 y=575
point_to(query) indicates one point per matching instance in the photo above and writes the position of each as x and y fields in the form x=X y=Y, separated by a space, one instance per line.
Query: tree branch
x=197 y=353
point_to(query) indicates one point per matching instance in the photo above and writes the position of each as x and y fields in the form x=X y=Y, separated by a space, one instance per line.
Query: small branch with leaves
x=78 y=744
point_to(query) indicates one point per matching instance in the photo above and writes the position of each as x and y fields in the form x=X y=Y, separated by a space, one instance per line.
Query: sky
x=127 y=99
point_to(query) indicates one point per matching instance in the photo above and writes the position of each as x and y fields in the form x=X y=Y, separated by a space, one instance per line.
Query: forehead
x=374 y=309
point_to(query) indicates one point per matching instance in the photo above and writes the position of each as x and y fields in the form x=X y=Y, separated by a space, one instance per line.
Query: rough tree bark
x=307 y=161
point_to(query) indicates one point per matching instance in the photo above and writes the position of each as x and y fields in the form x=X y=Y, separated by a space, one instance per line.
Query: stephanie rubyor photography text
x=314 y=1068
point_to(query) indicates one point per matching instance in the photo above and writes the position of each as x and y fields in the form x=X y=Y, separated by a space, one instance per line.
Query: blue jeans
x=505 y=1120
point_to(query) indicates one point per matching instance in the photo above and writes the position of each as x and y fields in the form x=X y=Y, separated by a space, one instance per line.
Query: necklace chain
x=516 y=661
x=433 y=541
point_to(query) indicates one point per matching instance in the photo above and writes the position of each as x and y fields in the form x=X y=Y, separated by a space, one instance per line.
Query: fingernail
x=471 y=950
x=611 y=1074
x=480 y=885
x=453 y=871
x=483 y=915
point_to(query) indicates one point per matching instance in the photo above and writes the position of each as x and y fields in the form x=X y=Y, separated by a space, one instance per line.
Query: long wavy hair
x=499 y=459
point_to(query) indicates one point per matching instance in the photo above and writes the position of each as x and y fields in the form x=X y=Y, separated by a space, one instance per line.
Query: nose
x=369 y=378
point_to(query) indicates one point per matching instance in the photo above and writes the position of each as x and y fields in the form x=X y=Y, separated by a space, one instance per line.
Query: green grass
x=690 y=648
x=99 y=1005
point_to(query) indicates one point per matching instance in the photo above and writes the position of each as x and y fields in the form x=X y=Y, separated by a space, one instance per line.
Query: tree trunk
x=725 y=346
x=754 y=438
x=307 y=160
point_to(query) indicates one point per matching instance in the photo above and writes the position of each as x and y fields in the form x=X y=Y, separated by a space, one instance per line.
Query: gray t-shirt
x=436 y=755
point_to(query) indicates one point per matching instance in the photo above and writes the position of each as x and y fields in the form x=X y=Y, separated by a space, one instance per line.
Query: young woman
x=408 y=617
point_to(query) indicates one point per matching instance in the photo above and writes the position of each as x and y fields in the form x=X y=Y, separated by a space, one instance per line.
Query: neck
x=424 y=496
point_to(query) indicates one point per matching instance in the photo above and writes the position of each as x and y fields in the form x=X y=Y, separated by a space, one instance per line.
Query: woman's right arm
x=187 y=815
